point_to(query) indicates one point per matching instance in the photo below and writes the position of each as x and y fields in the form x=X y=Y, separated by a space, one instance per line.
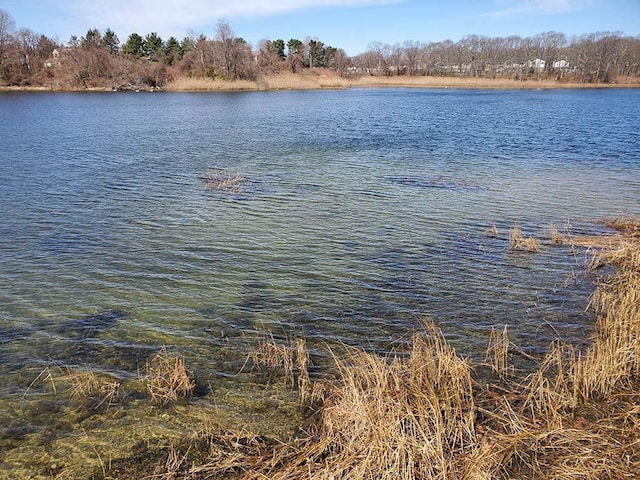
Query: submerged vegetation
x=421 y=412
x=221 y=180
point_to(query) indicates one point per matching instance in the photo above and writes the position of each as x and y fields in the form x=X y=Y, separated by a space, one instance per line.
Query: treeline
x=593 y=58
x=100 y=59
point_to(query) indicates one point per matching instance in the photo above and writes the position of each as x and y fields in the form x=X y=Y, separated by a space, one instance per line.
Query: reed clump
x=94 y=392
x=517 y=241
x=221 y=180
x=493 y=231
x=630 y=227
x=289 y=359
x=167 y=378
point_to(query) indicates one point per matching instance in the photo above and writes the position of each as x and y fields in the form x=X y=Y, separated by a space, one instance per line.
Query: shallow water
x=360 y=212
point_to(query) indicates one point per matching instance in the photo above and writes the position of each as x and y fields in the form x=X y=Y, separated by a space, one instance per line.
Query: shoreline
x=327 y=81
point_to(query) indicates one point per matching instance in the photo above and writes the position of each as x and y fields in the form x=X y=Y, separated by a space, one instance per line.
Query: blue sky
x=347 y=24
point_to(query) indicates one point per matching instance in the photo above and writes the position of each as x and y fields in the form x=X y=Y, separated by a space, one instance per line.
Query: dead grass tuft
x=554 y=235
x=167 y=378
x=517 y=241
x=497 y=355
x=493 y=231
x=94 y=392
x=630 y=227
x=289 y=359
x=221 y=180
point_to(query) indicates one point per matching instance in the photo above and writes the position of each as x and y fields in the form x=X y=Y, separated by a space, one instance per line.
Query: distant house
x=53 y=60
x=561 y=65
x=537 y=64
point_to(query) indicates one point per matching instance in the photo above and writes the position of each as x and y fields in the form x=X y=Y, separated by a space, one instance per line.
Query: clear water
x=362 y=211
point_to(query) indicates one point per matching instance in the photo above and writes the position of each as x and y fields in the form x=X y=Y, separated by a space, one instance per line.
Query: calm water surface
x=361 y=211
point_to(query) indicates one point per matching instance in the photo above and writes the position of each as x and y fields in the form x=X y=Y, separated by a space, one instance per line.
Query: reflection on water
x=359 y=212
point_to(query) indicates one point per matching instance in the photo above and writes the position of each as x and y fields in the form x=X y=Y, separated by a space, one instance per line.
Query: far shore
x=324 y=80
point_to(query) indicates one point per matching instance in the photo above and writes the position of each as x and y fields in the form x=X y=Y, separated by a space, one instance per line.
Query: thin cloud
x=538 y=7
x=169 y=17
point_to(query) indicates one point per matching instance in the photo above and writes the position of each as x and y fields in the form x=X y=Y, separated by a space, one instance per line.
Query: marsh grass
x=420 y=413
x=167 y=378
x=630 y=227
x=554 y=235
x=94 y=392
x=518 y=242
x=493 y=231
x=288 y=359
x=221 y=180
x=190 y=84
x=497 y=354
x=326 y=78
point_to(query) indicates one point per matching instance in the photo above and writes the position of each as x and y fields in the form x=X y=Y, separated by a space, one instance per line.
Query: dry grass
x=329 y=79
x=630 y=227
x=518 y=242
x=612 y=361
x=420 y=415
x=554 y=235
x=312 y=80
x=221 y=180
x=189 y=84
x=497 y=355
x=290 y=81
x=289 y=359
x=94 y=392
x=400 y=417
x=493 y=231
x=167 y=378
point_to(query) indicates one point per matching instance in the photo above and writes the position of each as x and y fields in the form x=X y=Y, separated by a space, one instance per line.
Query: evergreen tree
x=172 y=51
x=134 y=46
x=111 y=41
x=153 y=45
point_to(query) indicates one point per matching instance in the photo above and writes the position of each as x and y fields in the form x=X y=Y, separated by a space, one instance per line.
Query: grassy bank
x=326 y=80
x=427 y=413
x=321 y=79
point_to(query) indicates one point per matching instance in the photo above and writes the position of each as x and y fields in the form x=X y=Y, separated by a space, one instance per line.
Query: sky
x=348 y=24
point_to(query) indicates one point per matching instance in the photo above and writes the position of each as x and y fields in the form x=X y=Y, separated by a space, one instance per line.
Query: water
x=361 y=212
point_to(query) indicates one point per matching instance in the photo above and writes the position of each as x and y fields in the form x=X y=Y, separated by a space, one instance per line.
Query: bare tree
x=7 y=27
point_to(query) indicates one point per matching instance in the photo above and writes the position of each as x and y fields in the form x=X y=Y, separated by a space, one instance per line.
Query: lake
x=356 y=213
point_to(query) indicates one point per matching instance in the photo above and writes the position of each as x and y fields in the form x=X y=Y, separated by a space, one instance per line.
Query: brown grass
x=167 y=378
x=497 y=355
x=518 y=242
x=630 y=227
x=289 y=359
x=554 y=235
x=86 y=387
x=493 y=231
x=221 y=180
x=189 y=84
x=419 y=414
x=321 y=79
